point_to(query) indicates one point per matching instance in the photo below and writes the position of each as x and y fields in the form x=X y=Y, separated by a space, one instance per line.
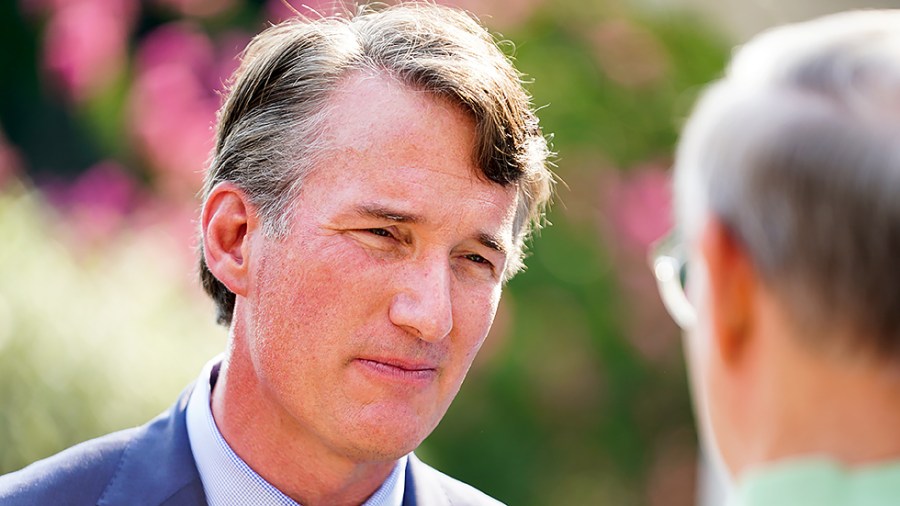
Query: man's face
x=363 y=321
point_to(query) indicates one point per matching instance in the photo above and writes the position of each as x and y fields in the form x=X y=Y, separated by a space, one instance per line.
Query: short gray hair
x=797 y=151
x=269 y=128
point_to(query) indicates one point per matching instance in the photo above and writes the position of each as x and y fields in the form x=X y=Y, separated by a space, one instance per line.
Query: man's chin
x=388 y=436
x=380 y=450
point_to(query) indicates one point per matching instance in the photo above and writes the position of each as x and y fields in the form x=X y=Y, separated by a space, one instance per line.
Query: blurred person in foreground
x=373 y=182
x=787 y=197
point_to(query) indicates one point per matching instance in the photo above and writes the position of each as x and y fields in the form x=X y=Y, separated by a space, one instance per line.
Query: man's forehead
x=403 y=155
x=353 y=106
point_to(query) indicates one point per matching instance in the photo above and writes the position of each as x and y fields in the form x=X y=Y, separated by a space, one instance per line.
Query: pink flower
x=635 y=212
x=85 y=45
x=96 y=205
x=640 y=206
x=174 y=102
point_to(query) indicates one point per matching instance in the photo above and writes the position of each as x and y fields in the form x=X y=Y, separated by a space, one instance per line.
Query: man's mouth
x=399 y=369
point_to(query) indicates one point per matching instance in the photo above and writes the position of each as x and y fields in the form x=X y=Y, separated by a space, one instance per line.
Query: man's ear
x=733 y=283
x=228 y=220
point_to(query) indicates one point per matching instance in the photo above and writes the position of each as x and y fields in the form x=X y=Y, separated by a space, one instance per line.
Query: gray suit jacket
x=152 y=465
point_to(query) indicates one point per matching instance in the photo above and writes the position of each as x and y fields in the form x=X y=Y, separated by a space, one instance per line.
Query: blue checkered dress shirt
x=228 y=480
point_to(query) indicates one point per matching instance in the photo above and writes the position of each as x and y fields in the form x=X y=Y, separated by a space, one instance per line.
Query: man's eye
x=478 y=259
x=381 y=232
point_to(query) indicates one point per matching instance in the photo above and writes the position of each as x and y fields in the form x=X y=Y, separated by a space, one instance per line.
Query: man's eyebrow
x=492 y=242
x=385 y=213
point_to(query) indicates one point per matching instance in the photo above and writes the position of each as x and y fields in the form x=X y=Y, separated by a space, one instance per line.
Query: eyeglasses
x=668 y=259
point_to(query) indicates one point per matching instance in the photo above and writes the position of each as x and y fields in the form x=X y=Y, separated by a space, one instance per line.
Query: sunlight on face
x=365 y=318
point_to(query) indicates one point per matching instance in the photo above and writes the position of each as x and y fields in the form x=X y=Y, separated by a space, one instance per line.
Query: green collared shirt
x=820 y=482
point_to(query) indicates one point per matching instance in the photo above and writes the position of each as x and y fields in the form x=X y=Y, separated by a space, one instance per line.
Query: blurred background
x=579 y=395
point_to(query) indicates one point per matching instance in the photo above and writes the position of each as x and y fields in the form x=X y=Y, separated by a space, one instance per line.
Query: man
x=372 y=185
x=787 y=180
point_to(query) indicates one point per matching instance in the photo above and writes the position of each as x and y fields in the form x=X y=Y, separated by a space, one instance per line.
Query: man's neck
x=277 y=448
x=829 y=406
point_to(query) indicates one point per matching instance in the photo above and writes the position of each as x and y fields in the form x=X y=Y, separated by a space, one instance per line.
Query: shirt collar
x=820 y=481
x=228 y=480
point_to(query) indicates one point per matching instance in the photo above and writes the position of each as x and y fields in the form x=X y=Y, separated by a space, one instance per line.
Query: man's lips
x=398 y=368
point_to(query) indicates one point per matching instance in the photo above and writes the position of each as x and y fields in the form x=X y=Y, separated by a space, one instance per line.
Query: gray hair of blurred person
x=269 y=128
x=796 y=151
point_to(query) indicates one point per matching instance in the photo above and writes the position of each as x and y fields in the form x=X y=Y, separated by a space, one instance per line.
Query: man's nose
x=422 y=304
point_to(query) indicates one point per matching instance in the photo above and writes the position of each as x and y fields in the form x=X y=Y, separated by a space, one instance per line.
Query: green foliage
x=91 y=341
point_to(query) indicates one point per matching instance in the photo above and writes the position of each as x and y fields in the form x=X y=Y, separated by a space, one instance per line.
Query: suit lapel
x=157 y=467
